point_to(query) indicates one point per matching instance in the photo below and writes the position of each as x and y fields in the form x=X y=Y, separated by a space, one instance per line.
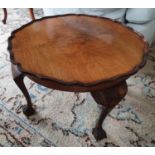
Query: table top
x=77 y=49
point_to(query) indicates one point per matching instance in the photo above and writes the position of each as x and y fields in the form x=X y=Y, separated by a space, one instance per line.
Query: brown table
x=78 y=53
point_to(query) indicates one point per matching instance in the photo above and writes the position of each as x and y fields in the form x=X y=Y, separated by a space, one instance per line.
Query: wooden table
x=77 y=53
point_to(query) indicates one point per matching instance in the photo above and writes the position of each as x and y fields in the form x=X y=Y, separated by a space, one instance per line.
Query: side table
x=77 y=53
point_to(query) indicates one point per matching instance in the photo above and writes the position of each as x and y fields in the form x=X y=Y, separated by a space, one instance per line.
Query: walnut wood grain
x=78 y=53
x=77 y=49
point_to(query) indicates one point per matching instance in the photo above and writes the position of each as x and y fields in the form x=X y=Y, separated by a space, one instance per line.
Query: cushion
x=113 y=13
x=140 y=15
x=146 y=29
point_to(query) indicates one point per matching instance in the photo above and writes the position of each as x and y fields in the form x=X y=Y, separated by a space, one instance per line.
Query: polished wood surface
x=77 y=48
x=77 y=53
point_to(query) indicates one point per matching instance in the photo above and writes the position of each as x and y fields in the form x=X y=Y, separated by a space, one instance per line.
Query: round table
x=77 y=53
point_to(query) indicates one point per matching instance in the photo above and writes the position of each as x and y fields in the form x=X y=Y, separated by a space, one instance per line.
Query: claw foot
x=28 y=111
x=99 y=134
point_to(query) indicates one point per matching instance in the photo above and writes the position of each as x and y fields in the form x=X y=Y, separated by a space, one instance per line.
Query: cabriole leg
x=19 y=80
x=108 y=98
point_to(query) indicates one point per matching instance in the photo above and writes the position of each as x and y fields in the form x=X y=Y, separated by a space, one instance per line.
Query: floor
x=66 y=119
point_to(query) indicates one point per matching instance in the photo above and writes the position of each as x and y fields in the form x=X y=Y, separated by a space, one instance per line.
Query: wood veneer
x=77 y=49
x=77 y=53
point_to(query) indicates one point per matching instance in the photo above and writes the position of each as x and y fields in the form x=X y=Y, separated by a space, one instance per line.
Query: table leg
x=19 y=80
x=31 y=13
x=5 y=16
x=108 y=98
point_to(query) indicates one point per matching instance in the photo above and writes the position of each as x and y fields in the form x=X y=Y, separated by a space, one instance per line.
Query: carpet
x=67 y=119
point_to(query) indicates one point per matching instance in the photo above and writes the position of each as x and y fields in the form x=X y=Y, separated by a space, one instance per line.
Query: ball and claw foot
x=28 y=111
x=4 y=21
x=108 y=98
x=18 y=78
x=99 y=134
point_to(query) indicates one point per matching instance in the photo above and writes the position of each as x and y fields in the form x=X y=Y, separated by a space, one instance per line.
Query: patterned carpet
x=66 y=119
